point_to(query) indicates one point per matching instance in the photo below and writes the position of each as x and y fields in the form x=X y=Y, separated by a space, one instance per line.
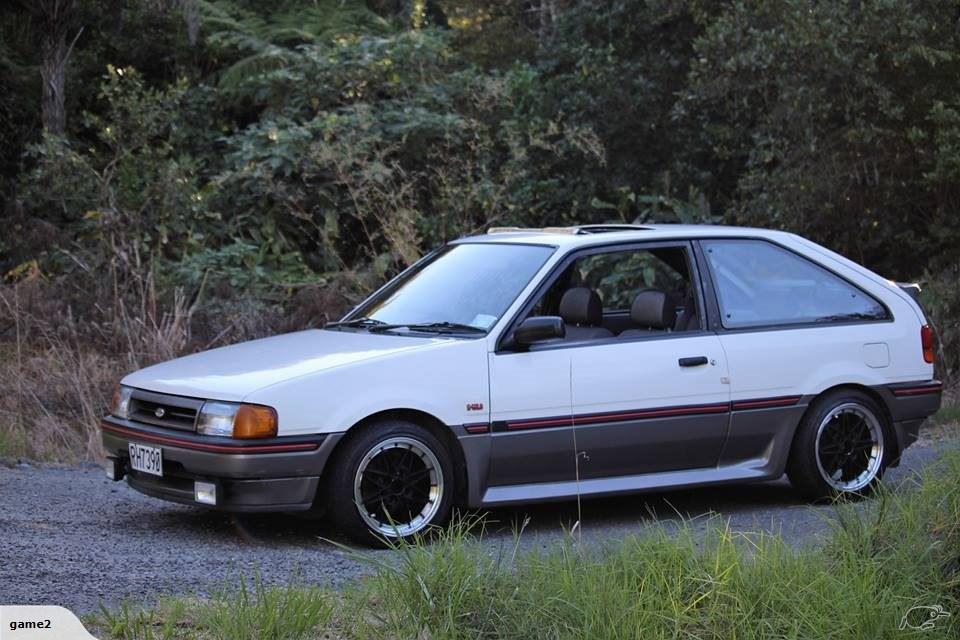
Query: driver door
x=651 y=400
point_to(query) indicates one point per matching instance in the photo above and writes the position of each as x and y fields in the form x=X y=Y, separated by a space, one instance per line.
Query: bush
x=828 y=119
x=940 y=297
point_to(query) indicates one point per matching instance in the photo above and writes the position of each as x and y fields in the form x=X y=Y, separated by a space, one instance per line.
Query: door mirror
x=538 y=329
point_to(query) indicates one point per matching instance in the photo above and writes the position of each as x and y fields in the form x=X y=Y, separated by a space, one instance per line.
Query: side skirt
x=747 y=471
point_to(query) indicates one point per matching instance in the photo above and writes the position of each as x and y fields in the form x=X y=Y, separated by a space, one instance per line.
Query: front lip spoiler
x=200 y=446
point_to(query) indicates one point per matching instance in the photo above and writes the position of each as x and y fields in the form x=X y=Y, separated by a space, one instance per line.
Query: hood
x=231 y=373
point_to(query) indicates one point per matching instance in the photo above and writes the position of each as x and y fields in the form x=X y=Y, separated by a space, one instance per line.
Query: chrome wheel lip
x=395 y=529
x=875 y=460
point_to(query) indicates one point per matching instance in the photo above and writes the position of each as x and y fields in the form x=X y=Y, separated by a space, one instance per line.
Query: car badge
x=159 y=412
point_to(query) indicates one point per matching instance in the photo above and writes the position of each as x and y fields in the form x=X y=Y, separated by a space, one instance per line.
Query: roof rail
x=569 y=230
x=606 y=228
x=575 y=230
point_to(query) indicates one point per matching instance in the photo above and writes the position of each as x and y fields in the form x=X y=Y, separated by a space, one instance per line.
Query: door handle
x=695 y=361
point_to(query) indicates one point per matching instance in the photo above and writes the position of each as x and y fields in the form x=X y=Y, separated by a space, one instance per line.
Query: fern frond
x=266 y=42
x=253 y=67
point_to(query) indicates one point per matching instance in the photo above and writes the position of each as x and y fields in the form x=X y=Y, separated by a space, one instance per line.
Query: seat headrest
x=653 y=309
x=581 y=305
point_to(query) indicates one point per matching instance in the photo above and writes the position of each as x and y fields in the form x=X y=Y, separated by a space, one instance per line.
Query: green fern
x=267 y=42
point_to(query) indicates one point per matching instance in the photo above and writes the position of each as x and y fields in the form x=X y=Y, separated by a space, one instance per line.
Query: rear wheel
x=841 y=446
x=392 y=481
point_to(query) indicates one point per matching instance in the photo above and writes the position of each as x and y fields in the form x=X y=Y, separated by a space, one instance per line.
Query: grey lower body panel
x=652 y=452
x=908 y=431
x=761 y=438
x=476 y=455
x=270 y=494
x=909 y=404
x=248 y=476
x=598 y=487
x=911 y=401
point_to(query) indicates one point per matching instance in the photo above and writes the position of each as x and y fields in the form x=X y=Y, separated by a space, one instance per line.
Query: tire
x=842 y=446
x=404 y=466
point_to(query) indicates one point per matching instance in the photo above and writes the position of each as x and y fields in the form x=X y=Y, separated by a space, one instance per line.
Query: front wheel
x=841 y=446
x=393 y=481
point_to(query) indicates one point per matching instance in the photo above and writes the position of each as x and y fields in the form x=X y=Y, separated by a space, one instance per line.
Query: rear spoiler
x=912 y=289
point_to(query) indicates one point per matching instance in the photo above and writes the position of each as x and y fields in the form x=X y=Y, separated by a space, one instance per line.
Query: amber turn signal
x=255 y=421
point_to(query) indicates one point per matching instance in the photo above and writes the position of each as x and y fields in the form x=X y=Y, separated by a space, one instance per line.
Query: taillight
x=926 y=340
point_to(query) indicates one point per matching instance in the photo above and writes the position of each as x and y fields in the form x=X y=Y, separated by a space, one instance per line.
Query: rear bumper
x=910 y=404
x=279 y=474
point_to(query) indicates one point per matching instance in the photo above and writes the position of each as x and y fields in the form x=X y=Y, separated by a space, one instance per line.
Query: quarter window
x=759 y=283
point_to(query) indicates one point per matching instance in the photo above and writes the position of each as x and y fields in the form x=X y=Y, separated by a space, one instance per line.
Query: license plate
x=146 y=459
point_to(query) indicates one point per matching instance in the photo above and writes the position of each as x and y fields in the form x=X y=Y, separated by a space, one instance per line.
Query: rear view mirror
x=538 y=329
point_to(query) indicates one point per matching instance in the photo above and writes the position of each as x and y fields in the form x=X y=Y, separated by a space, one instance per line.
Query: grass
x=249 y=612
x=947 y=415
x=883 y=557
x=13 y=443
x=944 y=424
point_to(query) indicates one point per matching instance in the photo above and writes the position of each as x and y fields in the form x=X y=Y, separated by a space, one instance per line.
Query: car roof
x=588 y=235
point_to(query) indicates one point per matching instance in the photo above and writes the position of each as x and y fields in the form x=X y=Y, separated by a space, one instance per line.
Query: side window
x=759 y=283
x=616 y=277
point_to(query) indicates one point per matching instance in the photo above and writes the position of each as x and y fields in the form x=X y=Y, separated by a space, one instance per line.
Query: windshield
x=468 y=285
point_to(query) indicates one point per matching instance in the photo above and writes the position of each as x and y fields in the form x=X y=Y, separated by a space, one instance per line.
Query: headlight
x=244 y=421
x=121 y=402
x=216 y=418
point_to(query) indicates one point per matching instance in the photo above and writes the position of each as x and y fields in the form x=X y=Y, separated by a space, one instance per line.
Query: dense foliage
x=304 y=137
x=225 y=146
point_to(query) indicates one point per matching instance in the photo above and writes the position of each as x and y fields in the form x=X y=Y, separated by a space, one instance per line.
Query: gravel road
x=69 y=536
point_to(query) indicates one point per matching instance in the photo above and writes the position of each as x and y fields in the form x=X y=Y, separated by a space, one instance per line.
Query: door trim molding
x=630 y=415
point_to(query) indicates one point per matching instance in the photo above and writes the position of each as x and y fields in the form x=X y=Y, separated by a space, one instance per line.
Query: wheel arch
x=427 y=421
x=803 y=469
x=871 y=393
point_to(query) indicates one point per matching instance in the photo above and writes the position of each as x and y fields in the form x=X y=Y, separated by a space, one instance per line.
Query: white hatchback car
x=530 y=365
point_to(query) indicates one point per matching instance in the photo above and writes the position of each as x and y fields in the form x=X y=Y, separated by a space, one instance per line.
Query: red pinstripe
x=707 y=409
x=215 y=448
x=784 y=401
x=919 y=391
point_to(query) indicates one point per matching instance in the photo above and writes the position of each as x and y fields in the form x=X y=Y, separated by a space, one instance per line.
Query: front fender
x=441 y=380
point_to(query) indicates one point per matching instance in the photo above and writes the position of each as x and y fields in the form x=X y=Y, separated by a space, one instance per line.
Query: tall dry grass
x=64 y=346
x=58 y=371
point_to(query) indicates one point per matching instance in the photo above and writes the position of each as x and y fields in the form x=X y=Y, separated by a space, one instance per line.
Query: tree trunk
x=53 y=73
x=55 y=20
x=548 y=16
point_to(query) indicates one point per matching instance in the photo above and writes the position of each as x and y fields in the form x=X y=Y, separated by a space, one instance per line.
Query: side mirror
x=538 y=329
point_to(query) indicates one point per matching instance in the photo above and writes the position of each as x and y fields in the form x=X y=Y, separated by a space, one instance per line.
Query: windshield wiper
x=363 y=322
x=437 y=327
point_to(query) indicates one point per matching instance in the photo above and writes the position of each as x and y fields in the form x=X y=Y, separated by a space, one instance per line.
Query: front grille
x=161 y=410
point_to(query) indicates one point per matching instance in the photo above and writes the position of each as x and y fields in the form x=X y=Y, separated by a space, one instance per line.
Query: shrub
x=940 y=297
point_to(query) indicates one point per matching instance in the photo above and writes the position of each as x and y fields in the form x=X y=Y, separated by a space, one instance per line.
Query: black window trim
x=716 y=322
x=696 y=279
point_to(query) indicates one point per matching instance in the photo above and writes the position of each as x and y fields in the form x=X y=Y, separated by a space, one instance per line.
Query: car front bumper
x=276 y=474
